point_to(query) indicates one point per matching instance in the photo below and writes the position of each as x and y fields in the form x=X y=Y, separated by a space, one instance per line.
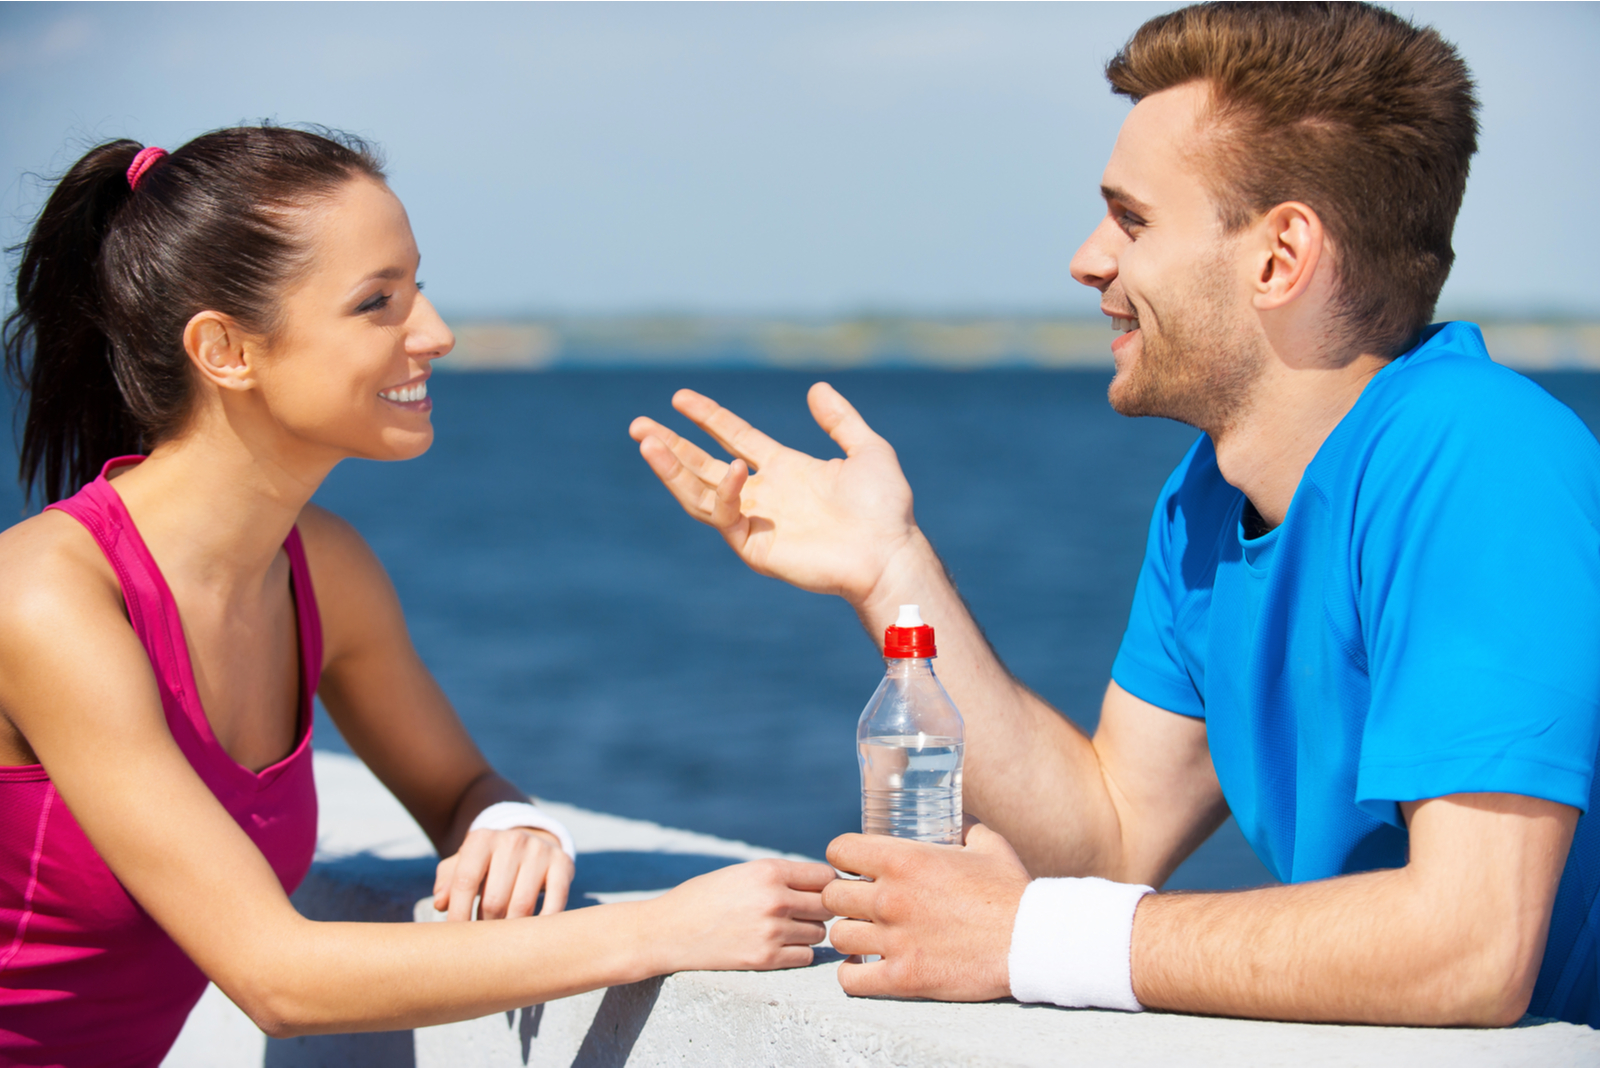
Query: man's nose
x=1095 y=262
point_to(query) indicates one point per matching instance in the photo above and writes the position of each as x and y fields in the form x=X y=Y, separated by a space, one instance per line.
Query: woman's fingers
x=531 y=874
x=472 y=861
x=557 y=883
x=442 y=876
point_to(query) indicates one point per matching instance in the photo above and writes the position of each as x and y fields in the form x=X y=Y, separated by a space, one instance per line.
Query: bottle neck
x=901 y=667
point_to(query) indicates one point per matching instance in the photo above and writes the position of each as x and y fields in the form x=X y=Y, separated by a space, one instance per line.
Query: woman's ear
x=220 y=351
x=1291 y=247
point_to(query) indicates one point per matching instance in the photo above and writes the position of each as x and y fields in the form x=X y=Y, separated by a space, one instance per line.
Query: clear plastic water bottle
x=910 y=743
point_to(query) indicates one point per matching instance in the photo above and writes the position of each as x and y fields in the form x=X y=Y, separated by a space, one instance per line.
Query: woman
x=245 y=311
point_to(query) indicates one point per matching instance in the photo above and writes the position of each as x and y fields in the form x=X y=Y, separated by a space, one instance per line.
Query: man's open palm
x=829 y=526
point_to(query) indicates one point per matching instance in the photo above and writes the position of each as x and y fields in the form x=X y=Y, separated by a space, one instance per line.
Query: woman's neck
x=215 y=510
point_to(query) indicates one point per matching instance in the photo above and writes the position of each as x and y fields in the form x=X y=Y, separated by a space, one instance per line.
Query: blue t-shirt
x=1425 y=621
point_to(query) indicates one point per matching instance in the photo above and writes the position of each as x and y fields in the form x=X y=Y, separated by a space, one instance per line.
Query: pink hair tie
x=142 y=162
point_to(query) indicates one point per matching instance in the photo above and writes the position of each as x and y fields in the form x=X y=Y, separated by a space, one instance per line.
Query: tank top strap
x=305 y=606
x=151 y=610
x=153 y=613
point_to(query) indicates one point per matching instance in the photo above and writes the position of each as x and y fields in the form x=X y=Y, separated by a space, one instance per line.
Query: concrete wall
x=374 y=864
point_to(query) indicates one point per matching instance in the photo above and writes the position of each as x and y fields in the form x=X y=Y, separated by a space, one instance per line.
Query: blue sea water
x=608 y=651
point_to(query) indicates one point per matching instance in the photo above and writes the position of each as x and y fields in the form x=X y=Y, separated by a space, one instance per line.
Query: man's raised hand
x=829 y=526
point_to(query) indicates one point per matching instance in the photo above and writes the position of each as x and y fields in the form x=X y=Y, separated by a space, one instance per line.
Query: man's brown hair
x=1345 y=107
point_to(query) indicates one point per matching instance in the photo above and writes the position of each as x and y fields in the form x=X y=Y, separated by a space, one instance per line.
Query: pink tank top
x=86 y=976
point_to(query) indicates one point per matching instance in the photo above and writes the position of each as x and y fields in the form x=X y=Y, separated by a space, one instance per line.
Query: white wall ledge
x=374 y=864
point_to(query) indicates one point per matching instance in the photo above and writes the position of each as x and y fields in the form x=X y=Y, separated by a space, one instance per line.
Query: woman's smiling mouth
x=413 y=395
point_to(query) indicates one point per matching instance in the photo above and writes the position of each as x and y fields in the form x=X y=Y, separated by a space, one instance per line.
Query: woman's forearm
x=295 y=976
x=335 y=977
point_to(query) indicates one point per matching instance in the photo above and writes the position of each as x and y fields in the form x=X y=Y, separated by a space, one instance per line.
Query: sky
x=775 y=158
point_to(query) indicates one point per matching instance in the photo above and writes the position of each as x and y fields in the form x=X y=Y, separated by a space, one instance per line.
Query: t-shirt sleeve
x=1478 y=558
x=1149 y=663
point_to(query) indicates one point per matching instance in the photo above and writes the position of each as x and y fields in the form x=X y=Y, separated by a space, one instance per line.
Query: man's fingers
x=839 y=418
x=695 y=494
x=849 y=897
x=865 y=854
x=855 y=938
x=732 y=433
x=725 y=512
x=867 y=980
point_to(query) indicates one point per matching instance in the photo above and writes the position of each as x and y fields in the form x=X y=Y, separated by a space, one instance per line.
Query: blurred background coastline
x=952 y=343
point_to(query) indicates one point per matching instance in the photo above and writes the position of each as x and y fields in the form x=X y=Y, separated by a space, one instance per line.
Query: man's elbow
x=1491 y=987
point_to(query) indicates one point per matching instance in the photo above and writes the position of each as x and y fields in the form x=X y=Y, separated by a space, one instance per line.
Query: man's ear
x=220 y=351
x=1290 y=246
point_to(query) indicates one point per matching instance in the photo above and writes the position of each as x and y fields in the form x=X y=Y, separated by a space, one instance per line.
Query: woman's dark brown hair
x=1346 y=107
x=110 y=276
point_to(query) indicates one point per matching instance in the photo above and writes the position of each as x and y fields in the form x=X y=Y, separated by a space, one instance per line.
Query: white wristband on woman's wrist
x=504 y=815
x=1072 y=944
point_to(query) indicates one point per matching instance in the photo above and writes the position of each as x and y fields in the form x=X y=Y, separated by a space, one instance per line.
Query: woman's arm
x=76 y=683
x=393 y=714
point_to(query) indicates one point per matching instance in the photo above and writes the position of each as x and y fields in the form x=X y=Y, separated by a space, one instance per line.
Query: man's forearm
x=1455 y=937
x=1030 y=774
x=1363 y=948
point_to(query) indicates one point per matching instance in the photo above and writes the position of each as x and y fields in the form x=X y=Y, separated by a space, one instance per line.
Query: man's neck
x=1265 y=449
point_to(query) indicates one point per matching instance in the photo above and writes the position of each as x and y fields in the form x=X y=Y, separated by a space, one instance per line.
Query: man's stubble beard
x=1202 y=365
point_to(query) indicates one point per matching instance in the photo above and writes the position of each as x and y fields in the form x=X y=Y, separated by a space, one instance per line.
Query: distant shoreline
x=953 y=343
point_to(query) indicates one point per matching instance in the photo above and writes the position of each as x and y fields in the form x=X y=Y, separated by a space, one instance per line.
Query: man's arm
x=1129 y=805
x=1454 y=937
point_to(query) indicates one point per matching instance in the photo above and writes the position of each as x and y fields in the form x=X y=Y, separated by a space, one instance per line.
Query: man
x=1368 y=620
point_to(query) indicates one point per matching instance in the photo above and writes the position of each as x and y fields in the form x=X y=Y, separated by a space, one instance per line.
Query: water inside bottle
x=911 y=787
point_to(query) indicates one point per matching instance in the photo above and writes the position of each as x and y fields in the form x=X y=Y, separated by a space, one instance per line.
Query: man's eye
x=376 y=302
x=1129 y=221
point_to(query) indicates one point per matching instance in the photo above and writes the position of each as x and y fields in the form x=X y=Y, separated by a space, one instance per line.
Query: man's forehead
x=1155 y=145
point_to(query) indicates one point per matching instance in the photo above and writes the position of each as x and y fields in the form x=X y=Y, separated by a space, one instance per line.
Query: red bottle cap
x=909 y=638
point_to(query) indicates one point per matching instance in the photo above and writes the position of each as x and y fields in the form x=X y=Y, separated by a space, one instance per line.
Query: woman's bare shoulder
x=50 y=564
x=354 y=595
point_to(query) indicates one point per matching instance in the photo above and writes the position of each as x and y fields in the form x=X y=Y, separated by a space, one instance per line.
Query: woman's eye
x=376 y=302
x=421 y=285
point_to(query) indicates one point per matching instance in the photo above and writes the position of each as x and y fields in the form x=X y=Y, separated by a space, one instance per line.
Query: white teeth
x=406 y=394
x=1124 y=326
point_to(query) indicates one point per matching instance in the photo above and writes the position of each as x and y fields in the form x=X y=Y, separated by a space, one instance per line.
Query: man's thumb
x=839 y=418
x=981 y=839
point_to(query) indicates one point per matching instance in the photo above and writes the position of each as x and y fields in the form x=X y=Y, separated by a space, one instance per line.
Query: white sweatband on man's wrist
x=504 y=815
x=1072 y=944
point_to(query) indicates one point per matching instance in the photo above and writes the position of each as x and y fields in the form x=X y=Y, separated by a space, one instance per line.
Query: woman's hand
x=508 y=869
x=756 y=916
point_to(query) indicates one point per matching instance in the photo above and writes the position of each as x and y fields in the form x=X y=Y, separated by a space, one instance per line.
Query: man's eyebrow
x=1111 y=192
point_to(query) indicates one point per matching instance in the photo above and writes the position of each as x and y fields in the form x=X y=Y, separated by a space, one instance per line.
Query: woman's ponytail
x=56 y=347
x=112 y=274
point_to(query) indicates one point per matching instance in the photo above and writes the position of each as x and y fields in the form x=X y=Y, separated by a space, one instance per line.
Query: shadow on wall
x=368 y=888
